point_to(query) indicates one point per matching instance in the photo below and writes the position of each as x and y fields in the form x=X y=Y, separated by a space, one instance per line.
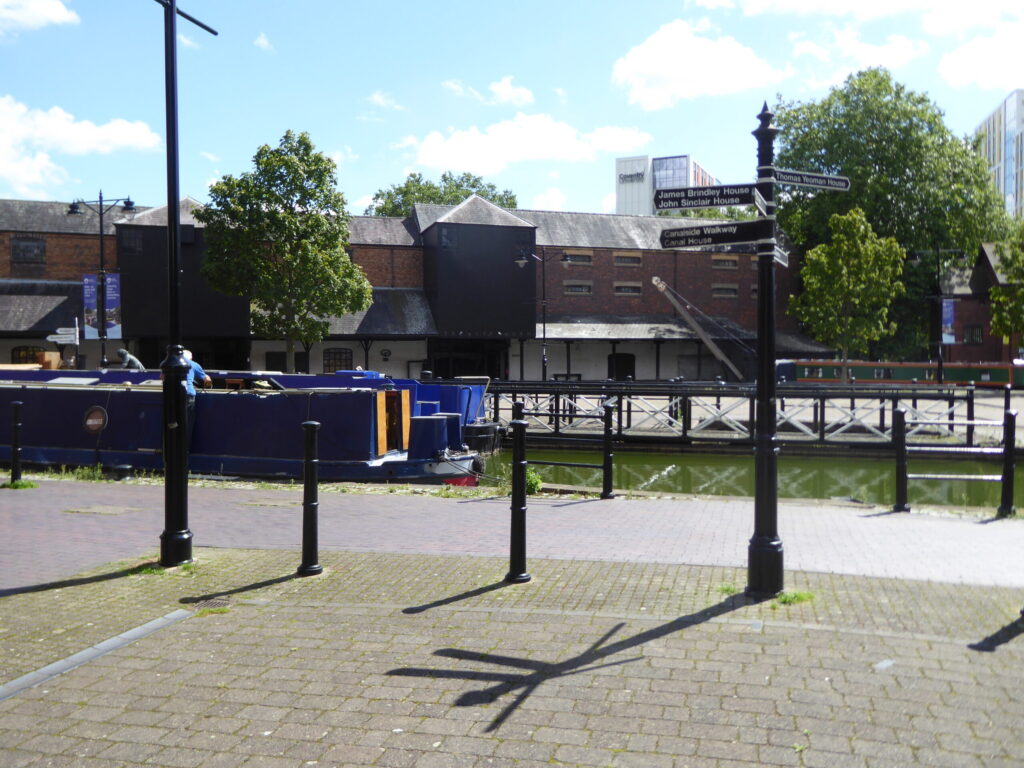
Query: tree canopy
x=849 y=285
x=400 y=198
x=278 y=234
x=914 y=180
x=1008 y=300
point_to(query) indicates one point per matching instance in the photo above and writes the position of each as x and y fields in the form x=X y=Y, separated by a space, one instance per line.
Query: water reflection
x=869 y=480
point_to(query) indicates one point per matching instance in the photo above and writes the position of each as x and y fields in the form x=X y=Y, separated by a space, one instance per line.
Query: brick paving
x=630 y=646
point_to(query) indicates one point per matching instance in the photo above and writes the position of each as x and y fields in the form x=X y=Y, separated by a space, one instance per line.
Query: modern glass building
x=637 y=178
x=1002 y=143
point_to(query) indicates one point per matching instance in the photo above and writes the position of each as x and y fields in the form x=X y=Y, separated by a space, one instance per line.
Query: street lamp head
x=74 y=209
x=521 y=261
x=128 y=206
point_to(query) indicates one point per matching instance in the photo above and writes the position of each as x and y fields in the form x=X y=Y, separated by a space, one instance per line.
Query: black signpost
x=764 y=553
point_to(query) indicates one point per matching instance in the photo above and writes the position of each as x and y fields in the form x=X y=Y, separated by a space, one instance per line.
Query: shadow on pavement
x=456 y=598
x=237 y=590
x=1002 y=635
x=538 y=672
x=79 y=581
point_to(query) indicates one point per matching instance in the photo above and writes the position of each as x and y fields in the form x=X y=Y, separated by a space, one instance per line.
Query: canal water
x=872 y=481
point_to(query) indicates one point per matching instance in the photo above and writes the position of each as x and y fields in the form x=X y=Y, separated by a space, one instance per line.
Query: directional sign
x=816 y=180
x=732 y=233
x=704 y=197
x=62 y=338
x=781 y=256
x=73 y=330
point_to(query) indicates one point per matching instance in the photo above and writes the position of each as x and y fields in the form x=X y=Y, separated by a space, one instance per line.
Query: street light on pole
x=101 y=207
x=521 y=261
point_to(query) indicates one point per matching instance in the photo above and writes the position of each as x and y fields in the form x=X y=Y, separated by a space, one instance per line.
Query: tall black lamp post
x=101 y=207
x=521 y=261
x=176 y=539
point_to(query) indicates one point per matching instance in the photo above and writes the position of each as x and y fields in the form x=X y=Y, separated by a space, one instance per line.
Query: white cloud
x=385 y=101
x=894 y=53
x=938 y=17
x=506 y=93
x=812 y=49
x=343 y=155
x=263 y=42
x=29 y=136
x=362 y=203
x=650 y=78
x=209 y=156
x=523 y=138
x=714 y=4
x=502 y=92
x=186 y=41
x=456 y=87
x=17 y=15
x=552 y=199
x=992 y=62
x=562 y=94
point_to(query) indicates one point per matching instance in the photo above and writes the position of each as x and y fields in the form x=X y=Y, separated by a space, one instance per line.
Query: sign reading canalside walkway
x=764 y=554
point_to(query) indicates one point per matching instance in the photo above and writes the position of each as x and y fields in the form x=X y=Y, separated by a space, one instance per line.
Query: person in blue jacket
x=195 y=371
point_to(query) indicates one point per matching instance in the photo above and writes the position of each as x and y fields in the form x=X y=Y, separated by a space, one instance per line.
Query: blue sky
x=537 y=97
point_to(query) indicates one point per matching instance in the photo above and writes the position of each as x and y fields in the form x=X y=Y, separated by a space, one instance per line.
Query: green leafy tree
x=278 y=234
x=914 y=180
x=1008 y=300
x=400 y=198
x=849 y=285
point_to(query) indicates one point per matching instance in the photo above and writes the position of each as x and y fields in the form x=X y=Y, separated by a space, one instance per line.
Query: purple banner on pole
x=112 y=310
x=948 y=321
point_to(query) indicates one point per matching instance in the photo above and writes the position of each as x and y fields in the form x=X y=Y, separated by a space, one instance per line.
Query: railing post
x=16 y=441
x=685 y=416
x=899 y=441
x=497 y=407
x=970 y=416
x=310 y=502
x=607 y=469
x=517 y=540
x=1007 y=393
x=821 y=419
x=558 y=414
x=1009 y=440
x=618 y=408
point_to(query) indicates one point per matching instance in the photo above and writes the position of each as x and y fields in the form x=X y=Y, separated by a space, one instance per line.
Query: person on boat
x=130 y=361
x=195 y=370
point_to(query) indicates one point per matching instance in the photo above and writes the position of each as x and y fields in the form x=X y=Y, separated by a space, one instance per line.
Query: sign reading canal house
x=732 y=233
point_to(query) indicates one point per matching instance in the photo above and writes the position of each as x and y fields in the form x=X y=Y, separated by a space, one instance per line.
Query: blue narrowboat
x=373 y=428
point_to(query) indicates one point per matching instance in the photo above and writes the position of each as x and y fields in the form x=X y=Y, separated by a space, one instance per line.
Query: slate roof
x=395 y=312
x=39 y=216
x=38 y=307
x=157 y=216
x=639 y=327
x=557 y=228
x=382 y=230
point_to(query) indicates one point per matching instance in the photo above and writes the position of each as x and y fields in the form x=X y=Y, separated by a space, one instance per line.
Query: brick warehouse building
x=460 y=290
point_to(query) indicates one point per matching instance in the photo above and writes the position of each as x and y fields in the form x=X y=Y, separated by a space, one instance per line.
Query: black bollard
x=1009 y=439
x=899 y=443
x=607 y=467
x=517 y=541
x=16 y=441
x=310 y=503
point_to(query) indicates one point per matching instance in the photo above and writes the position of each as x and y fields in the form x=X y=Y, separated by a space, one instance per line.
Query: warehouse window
x=578 y=258
x=337 y=359
x=277 y=361
x=627 y=260
x=21 y=355
x=577 y=287
x=974 y=334
x=724 y=290
x=725 y=262
x=628 y=289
